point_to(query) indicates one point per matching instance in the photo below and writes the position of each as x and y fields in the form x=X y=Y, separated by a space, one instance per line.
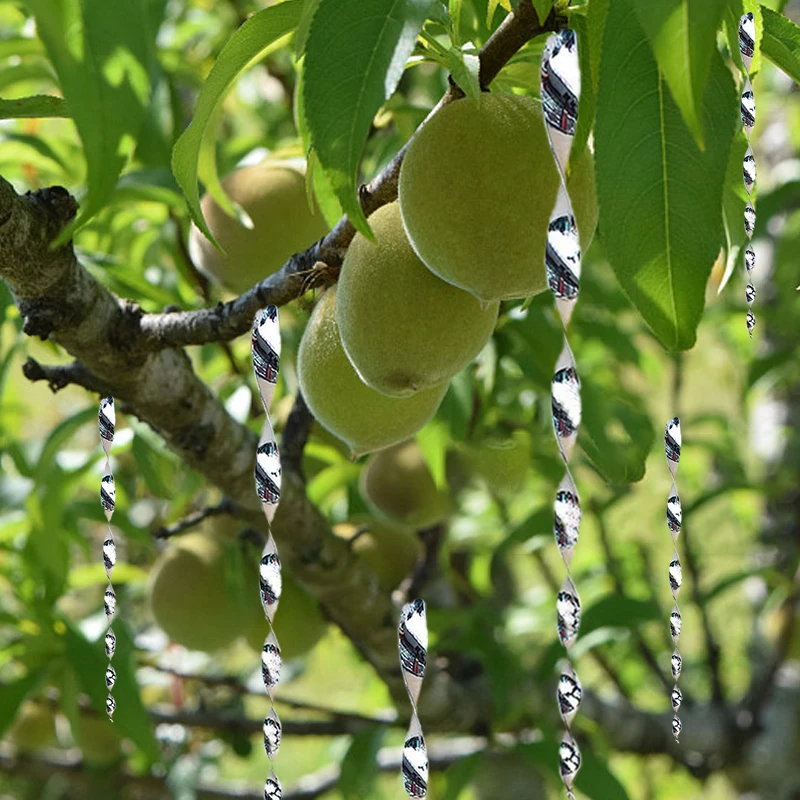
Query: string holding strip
x=560 y=89
x=106 y=420
x=266 y=350
x=672 y=449
x=413 y=645
x=747 y=108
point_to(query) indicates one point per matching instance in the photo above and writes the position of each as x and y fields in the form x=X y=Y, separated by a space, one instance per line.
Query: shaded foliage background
x=104 y=122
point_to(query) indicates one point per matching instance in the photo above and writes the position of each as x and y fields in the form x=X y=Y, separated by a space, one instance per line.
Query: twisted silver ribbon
x=747 y=107
x=413 y=642
x=560 y=87
x=266 y=349
x=106 y=421
x=672 y=448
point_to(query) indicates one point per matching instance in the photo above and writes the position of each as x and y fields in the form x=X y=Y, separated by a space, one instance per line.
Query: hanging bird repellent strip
x=747 y=45
x=672 y=448
x=413 y=638
x=266 y=347
x=108 y=494
x=561 y=86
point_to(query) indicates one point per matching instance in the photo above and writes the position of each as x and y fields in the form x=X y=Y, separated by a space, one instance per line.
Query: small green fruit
x=299 y=622
x=190 y=596
x=502 y=463
x=364 y=419
x=398 y=485
x=389 y=550
x=403 y=328
x=98 y=740
x=33 y=728
x=477 y=187
x=273 y=194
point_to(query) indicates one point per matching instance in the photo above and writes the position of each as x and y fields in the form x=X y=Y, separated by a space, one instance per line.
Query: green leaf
x=88 y=661
x=734 y=200
x=35 y=106
x=459 y=775
x=683 y=38
x=12 y=695
x=616 y=433
x=780 y=42
x=660 y=196
x=454 y=7
x=586 y=107
x=59 y=436
x=255 y=35
x=492 y=7
x=464 y=65
x=617 y=611
x=597 y=781
x=301 y=36
x=433 y=440
x=543 y=9
x=103 y=54
x=355 y=56
x=596 y=26
x=360 y=765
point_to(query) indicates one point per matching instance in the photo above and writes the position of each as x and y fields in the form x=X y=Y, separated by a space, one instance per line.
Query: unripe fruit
x=403 y=328
x=364 y=419
x=190 y=598
x=398 y=485
x=502 y=463
x=477 y=187
x=389 y=550
x=98 y=740
x=299 y=623
x=273 y=194
x=33 y=728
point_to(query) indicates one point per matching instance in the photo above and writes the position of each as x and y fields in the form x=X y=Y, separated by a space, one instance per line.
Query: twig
x=193 y=520
x=712 y=647
x=295 y=435
x=222 y=721
x=612 y=563
x=229 y=320
x=203 y=283
x=427 y=565
x=763 y=683
x=60 y=376
x=232 y=682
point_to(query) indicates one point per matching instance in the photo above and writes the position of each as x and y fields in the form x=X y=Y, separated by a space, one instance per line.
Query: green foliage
x=655 y=86
x=360 y=766
x=104 y=65
x=781 y=42
x=255 y=35
x=353 y=64
x=35 y=107
x=683 y=36
x=660 y=195
x=12 y=696
x=88 y=663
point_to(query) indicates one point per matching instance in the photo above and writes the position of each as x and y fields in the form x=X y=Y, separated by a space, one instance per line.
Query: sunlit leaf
x=355 y=56
x=660 y=196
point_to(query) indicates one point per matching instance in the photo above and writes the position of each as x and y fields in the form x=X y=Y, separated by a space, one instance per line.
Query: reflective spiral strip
x=561 y=87
x=106 y=421
x=672 y=449
x=747 y=108
x=413 y=644
x=266 y=349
